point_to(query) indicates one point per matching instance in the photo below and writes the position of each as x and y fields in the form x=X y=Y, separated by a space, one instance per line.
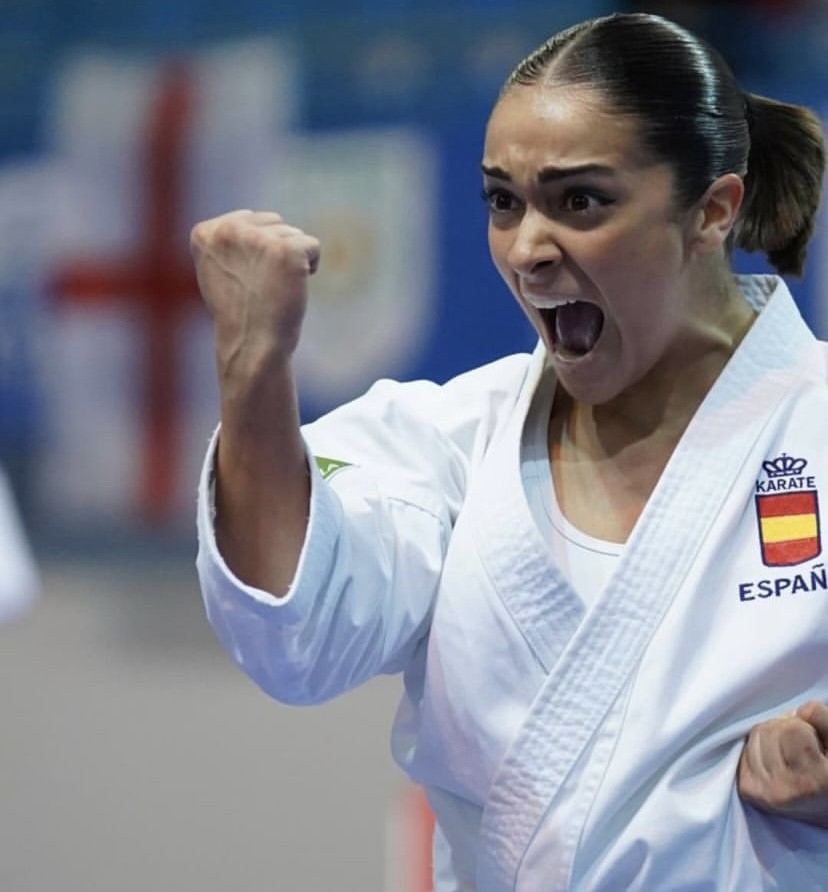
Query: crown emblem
x=784 y=466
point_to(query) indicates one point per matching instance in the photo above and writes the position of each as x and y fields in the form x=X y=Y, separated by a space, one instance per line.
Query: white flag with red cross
x=148 y=147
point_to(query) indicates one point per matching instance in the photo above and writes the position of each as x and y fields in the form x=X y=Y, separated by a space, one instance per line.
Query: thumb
x=816 y=714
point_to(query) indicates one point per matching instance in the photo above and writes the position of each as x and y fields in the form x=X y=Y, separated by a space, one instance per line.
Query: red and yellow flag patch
x=788 y=527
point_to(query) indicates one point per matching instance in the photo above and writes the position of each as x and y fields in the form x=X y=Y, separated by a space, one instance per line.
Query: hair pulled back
x=694 y=116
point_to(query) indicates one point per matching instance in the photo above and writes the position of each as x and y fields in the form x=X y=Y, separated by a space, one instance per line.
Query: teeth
x=550 y=303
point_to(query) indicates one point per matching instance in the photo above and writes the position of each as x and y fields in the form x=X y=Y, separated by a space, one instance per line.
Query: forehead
x=541 y=124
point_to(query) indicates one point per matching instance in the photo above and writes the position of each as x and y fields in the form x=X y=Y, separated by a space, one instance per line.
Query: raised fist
x=252 y=269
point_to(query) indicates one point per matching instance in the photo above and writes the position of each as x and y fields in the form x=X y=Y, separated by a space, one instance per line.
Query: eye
x=499 y=201
x=581 y=201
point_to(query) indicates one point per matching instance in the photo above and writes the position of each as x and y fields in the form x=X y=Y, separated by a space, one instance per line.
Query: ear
x=716 y=213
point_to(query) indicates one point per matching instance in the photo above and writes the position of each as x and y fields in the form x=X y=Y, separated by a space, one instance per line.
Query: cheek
x=612 y=264
x=660 y=238
x=647 y=256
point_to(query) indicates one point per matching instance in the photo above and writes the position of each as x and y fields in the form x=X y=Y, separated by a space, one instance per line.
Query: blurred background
x=133 y=756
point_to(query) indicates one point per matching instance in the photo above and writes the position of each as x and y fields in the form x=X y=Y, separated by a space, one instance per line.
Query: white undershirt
x=586 y=562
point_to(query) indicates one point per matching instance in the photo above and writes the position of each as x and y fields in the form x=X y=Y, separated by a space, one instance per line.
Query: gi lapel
x=531 y=585
x=607 y=646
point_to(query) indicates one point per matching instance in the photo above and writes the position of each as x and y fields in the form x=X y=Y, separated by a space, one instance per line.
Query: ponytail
x=783 y=183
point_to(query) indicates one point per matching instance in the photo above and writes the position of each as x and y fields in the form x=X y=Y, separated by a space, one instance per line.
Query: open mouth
x=574 y=328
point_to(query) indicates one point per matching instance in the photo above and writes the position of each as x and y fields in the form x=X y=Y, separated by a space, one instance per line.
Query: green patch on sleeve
x=329 y=466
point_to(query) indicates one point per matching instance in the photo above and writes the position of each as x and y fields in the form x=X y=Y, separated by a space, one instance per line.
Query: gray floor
x=136 y=757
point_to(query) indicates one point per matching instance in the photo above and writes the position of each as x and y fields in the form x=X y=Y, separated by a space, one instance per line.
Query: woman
x=598 y=566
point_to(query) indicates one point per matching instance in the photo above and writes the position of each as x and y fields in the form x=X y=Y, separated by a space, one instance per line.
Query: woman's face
x=585 y=232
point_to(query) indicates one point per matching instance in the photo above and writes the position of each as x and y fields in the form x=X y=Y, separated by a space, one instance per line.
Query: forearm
x=262 y=480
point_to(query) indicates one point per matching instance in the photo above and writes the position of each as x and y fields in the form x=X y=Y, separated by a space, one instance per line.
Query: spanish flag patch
x=788 y=527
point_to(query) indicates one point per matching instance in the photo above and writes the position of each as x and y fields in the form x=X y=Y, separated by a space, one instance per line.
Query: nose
x=534 y=245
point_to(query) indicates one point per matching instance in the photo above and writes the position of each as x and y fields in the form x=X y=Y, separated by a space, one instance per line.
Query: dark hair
x=696 y=117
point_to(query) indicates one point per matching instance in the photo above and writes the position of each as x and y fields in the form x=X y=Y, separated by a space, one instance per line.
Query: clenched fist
x=784 y=765
x=253 y=273
x=252 y=269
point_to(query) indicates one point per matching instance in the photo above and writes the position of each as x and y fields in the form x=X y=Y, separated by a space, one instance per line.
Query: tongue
x=577 y=326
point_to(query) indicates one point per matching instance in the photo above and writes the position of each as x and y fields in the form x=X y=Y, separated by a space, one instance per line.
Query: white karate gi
x=563 y=749
x=18 y=576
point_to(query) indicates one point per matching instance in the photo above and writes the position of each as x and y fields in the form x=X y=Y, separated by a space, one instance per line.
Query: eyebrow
x=552 y=173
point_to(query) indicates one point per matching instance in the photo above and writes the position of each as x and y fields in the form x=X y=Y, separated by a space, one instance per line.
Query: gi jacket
x=566 y=749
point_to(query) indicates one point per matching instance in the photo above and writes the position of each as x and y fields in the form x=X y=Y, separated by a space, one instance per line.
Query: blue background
x=778 y=49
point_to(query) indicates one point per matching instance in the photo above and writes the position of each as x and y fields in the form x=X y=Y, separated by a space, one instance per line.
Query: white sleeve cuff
x=219 y=583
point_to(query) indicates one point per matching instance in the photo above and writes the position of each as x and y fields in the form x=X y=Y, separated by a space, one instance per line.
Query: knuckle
x=227 y=233
x=800 y=748
x=790 y=733
x=198 y=237
x=811 y=711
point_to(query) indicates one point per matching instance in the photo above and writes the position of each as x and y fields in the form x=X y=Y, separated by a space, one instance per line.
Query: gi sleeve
x=19 y=581
x=388 y=477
